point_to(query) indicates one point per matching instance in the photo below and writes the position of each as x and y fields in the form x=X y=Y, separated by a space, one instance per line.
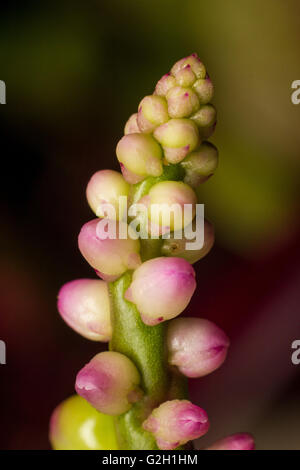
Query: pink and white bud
x=178 y=138
x=84 y=306
x=176 y=422
x=196 y=65
x=140 y=154
x=204 y=89
x=182 y=102
x=200 y=164
x=167 y=203
x=153 y=111
x=110 y=383
x=166 y=82
x=196 y=346
x=161 y=288
x=131 y=126
x=107 y=187
x=241 y=441
x=110 y=257
x=185 y=77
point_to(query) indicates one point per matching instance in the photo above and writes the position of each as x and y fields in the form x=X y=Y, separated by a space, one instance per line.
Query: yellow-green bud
x=185 y=77
x=206 y=116
x=166 y=82
x=140 y=154
x=182 y=102
x=196 y=65
x=204 y=89
x=153 y=111
x=200 y=164
x=106 y=187
x=178 y=138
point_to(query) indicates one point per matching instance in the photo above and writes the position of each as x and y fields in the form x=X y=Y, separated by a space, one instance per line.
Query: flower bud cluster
x=169 y=129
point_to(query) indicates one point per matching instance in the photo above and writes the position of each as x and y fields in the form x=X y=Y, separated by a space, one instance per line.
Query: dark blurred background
x=74 y=72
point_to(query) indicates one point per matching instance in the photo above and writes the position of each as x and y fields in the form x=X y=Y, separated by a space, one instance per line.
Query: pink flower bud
x=196 y=346
x=176 y=422
x=84 y=305
x=106 y=187
x=165 y=84
x=161 y=288
x=140 y=154
x=110 y=257
x=110 y=383
x=178 y=137
x=131 y=126
x=153 y=111
x=241 y=441
x=196 y=65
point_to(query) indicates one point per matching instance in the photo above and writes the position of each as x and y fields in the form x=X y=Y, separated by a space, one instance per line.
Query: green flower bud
x=76 y=425
x=177 y=247
x=182 y=102
x=131 y=126
x=196 y=65
x=185 y=77
x=204 y=89
x=206 y=116
x=165 y=84
x=162 y=196
x=200 y=164
x=153 y=111
x=178 y=138
x=140 y=154
x=106 y=187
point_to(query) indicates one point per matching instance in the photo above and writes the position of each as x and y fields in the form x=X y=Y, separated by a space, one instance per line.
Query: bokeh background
x=74 y=72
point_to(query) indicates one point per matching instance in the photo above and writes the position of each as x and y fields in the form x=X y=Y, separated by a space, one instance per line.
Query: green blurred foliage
x=67 y=62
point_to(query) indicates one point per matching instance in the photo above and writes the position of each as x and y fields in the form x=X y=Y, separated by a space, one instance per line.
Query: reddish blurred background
x=74 y=72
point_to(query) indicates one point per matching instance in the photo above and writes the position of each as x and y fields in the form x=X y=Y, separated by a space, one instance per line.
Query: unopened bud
x=84 y=305
x=131 y=126
x=178 y=138
x=206 y=116
x=241 y=441
x=106 y=187
x=166 y=82
x=196 y=65
x=110 y=383
x=76 y=425
x=185 y=77
x=177 y=247
x=110 y=257
x=140 y=154
x=196 y=346
x=167 y=203
x=153 y=111
x=200 y=164
x=204 y=89
x=176 y=422
x=161 y=288
x=182 y=102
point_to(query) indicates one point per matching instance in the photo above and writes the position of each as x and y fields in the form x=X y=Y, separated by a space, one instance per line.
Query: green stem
x=144 y=345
